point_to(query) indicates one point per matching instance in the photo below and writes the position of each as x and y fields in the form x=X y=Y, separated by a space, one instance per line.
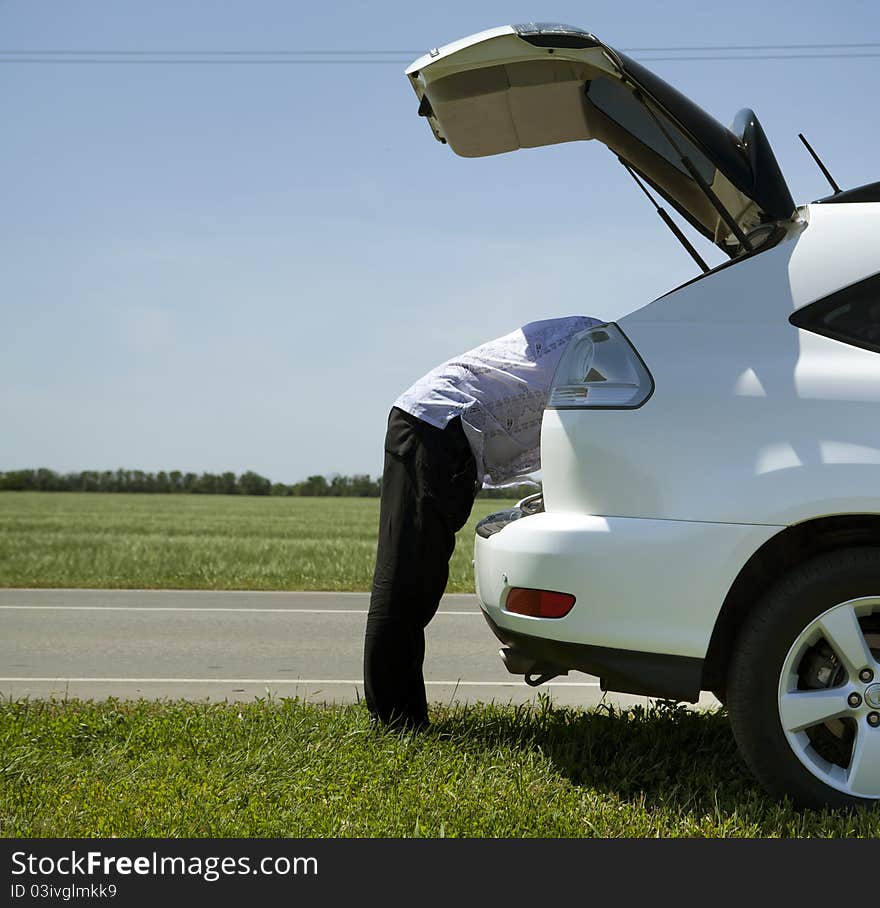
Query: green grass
x=286 y=768
x=212 y=542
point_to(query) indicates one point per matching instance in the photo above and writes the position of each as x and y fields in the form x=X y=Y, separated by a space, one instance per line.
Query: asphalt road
x=202 y=645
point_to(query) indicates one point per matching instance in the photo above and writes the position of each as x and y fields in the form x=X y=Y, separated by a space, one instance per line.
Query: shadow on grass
x=665 y=755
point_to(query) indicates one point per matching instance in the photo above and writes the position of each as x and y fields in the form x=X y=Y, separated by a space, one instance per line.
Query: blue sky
x=240 y=267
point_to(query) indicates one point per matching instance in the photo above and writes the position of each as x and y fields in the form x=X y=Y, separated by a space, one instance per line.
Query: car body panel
x=743 y=400
x=647 y=585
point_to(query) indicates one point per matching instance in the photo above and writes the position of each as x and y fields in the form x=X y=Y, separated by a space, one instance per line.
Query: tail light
x=600 y=368
x=539 y=603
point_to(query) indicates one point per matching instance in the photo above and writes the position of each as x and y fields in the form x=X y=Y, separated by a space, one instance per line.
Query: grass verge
x=286 y=768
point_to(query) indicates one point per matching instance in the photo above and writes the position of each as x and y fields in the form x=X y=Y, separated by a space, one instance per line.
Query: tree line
x=177 y=482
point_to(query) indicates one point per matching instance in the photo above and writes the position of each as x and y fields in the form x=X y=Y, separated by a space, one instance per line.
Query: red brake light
x=539 y=603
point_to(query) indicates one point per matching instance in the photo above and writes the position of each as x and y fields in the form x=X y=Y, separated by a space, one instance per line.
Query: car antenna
x=822 y=167
x=667 y=220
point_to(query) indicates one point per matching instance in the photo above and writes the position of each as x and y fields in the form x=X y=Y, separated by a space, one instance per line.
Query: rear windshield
x=653 y=146
x=619 y=103
x=851 y=315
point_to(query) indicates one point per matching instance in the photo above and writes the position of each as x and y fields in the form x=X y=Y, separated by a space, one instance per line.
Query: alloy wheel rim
x=843 y=707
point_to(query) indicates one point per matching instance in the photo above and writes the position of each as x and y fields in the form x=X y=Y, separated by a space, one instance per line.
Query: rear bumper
x=649 y=674
x=647 y=592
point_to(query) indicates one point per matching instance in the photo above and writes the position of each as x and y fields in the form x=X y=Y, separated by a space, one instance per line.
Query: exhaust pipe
x=515 y=662
x=533 y=672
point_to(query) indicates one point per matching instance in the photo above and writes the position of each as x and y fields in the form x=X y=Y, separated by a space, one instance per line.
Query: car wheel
x=803 y=689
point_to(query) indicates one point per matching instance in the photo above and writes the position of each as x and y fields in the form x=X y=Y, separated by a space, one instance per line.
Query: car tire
x=808 y=650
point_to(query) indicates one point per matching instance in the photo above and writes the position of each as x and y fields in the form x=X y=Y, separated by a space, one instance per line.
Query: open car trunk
x=523 y=86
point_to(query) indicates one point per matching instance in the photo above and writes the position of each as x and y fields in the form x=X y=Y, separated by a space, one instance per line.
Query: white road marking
x=124 y=591
x=157 y=608
x=285 y=681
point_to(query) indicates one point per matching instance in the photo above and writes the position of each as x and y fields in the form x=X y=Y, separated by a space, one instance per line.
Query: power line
x=218 y=53
x=340 y=61
x=308 y=57
x=369 y=51
x=764 y=57
x=709 y=47
x=182 y=62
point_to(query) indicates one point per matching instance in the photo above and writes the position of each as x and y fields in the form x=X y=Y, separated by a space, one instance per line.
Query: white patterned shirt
x=499 y=390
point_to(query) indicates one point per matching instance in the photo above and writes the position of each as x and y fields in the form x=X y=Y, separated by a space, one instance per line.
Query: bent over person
x=474 y=420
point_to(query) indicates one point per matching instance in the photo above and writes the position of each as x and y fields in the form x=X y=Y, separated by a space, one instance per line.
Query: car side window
x=851 y=315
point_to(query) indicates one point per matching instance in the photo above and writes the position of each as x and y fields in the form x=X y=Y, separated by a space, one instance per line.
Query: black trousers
x=428 y=489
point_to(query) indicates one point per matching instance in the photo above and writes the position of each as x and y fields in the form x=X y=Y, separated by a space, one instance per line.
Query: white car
x=710 y=517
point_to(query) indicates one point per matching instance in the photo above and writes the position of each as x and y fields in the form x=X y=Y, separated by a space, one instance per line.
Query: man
x=473 y=420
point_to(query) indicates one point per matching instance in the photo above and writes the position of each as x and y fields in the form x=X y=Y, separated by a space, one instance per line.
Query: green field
x=210 y=542
x=285 y=768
